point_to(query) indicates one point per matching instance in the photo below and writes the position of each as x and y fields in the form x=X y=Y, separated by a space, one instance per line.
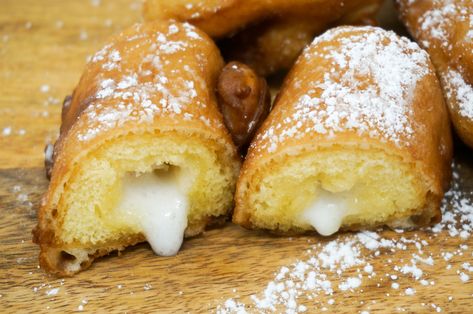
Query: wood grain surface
x=43 y=48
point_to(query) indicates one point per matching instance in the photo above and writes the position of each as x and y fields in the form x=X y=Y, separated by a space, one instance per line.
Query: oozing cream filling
x=327 y=211
x=160 y=205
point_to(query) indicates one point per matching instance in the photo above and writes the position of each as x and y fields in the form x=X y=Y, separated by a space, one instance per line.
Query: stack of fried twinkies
x=445 y=30
x=143 y=152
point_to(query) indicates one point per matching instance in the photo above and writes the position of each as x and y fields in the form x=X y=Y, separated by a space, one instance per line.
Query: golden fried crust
x=267 y=35
x=293 y=127
x=166 y=74
x=53 y=259
x=220 y=18
x=445 y=30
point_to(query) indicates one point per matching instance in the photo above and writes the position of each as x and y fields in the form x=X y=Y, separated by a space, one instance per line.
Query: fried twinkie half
x=143 y=153
x=268 y=35
x=445 y=29
x=359 y=137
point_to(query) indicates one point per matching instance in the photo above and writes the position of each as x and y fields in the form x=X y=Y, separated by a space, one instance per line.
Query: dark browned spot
x=67 y=257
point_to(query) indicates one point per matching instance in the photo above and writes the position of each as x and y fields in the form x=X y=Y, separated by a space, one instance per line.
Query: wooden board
x=45 y=43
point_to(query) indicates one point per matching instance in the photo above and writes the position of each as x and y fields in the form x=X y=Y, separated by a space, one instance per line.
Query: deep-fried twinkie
x=359 y=137
x=143 y=153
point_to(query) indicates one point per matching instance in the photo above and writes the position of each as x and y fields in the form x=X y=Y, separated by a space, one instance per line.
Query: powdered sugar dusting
x=469 y=35
x=437 y=22
x=442 y=29
x=368 y=89
x=142 y=93
x=456 y=88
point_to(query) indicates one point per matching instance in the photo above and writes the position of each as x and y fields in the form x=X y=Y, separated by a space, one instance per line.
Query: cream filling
x=160 y=205
x=327 y=212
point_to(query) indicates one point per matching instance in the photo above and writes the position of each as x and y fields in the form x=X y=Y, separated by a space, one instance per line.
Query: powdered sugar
x=440 y=31
x=44 y=88
x=339 y=255
x=411 y=269
x=302 y=276
x=113 y=60
x=235 y=307
x=343 y=100
x=52 y=292
x=410 y=291
x=107 y=118
x=350 y=283
x=7 y=131
x=469 y=35
x=133 y=96
x=460 y=91
x=437 y=22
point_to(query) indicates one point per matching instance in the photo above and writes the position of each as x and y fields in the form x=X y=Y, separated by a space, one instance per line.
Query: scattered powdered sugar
x=410 y=291
x=342 y=99
x=235 y=307
x=83 y=35
x=464 y=277
x=310 y=276
x=335 y=261
x=456 y=88
x=410 y=269
x=350 y=283
x=368 y=269
x=80 y=308
x=108 y=118
x=339 y=255
x=134 y=92
x=44 y=88
x=52 y=292
x=457 y=212
x=438 y=21
x=469 y=35
x=435 y=22
x=6 y=131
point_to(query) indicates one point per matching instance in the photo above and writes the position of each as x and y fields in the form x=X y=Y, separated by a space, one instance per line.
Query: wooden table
x=43 y=48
